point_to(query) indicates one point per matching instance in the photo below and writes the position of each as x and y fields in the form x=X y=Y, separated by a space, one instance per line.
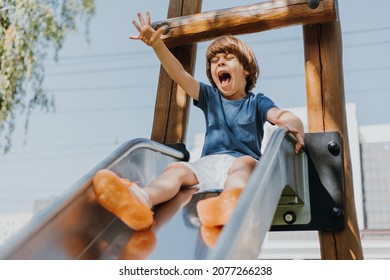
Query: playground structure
x=324 y=80
x=96 y=234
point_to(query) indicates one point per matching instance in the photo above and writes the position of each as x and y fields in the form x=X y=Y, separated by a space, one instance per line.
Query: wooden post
x=327 y=112
x=172 y=103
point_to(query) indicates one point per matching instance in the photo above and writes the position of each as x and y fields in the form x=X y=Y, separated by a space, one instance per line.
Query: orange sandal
x=140 y=246
x=210 y=235
x=113 y=194
x=216 y=211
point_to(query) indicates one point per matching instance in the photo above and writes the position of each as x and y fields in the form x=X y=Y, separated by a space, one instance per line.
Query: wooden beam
x=245 y=19
x=172 y=103
x=327 y=112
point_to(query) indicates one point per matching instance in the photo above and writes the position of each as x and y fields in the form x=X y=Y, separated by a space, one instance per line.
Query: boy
x=234 y=131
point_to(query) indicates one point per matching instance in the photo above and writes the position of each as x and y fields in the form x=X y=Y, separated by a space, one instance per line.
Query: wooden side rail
x=245 y=19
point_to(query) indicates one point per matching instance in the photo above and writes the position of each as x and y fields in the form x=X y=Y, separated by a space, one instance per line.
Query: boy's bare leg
x=217 y=211
x=168 y=184
x=240 y=172
x=168 y=210
x=133 y=204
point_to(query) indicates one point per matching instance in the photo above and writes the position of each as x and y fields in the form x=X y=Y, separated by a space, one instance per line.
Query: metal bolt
x=289 y=217
x=334 y=148
x=313 y=3
x=336 y=212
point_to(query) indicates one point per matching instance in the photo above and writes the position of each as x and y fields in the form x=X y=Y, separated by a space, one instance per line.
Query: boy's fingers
x=141 y=19
x=136 y=25
x=134 y=37
x=148 y=18
x=300 y=143
x=160 y=31
x=298 y=146
x=297 y=135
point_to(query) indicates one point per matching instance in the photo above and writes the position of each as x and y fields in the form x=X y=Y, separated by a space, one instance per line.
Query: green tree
x=28 y=29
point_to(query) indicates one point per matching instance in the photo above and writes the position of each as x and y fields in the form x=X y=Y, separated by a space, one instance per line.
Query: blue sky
x=104 y=91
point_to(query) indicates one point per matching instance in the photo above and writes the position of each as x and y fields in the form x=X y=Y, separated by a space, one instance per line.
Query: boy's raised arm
x=170 y=63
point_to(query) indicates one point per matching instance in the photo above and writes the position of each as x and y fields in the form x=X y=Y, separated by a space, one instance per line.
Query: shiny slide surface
x=76 y=227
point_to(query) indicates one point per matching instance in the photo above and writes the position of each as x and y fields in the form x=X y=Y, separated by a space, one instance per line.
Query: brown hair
x=244 y=54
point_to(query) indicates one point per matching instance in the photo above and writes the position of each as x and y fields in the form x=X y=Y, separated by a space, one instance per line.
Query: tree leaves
x=28 y=28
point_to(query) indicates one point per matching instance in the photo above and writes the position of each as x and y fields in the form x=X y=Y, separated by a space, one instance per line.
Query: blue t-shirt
x=233 y=127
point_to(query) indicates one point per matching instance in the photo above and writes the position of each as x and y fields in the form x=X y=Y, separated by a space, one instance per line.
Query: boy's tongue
x=225 y=78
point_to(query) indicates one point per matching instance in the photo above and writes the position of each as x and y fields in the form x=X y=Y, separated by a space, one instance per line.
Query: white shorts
x=211 y=171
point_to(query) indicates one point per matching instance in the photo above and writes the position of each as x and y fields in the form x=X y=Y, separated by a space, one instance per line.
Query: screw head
x=336 y=212
x=313 y=3
x=289 y=217
x=334 y=148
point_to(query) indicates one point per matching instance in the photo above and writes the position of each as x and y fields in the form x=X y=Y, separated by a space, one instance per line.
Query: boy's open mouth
x=224 y=77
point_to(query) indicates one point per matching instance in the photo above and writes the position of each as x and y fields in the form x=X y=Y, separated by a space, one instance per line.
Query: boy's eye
x=230 y=56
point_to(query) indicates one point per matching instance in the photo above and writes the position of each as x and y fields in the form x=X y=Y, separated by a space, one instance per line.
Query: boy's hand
x=291 y=122
x=298 y=135
x=146 y=32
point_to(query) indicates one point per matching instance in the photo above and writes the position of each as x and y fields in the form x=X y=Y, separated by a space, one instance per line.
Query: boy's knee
x=244 y=162
x=178 y=168
x=182 y=173
x=174 y=166
x=240 y=172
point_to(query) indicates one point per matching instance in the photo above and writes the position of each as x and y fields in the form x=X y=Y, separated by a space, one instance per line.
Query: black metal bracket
x=181 y=147
x=326 y=184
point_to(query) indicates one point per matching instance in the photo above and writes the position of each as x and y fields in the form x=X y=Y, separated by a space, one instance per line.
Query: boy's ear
x=246 y=73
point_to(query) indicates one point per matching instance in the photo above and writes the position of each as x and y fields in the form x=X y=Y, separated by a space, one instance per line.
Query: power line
x=105 y=55
x=51 y=157
x=103 y=70
x=271 y=41
x=251 y=43
x=138 y=86
x=299 y=75
x=365 y=69
x=366 y=30
x=18 y=154
x=348 y=92
x=155 y=65
x=103 y=88
x=33 y=151
x=92 y=61
x=119 y=69
x=103 y=109
x=368 y=44
x=356 y=91
x=61 y=144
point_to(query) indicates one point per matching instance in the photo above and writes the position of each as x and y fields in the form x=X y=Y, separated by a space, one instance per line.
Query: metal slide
x=76 y=227
x=279 y=182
